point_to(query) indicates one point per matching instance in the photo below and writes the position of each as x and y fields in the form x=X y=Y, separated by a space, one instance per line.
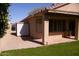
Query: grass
x=63 y=49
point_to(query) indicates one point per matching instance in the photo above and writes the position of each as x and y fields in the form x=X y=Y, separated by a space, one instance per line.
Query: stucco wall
x=52 y=37
x=33 y=31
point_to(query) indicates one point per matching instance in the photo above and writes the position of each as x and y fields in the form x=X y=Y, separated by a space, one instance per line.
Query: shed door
x=22 y=29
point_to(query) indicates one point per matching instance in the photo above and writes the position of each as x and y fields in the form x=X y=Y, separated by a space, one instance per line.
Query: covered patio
x=60 y=26
x=50 y=25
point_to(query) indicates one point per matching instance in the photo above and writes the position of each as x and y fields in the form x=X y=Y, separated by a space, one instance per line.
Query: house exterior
x=57 y=22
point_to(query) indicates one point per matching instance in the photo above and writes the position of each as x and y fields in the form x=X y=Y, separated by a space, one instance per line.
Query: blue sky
x=19 y=11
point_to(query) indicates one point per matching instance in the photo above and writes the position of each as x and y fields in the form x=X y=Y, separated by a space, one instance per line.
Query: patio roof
x=53 y=10
x=63 y=12
x=53 y=6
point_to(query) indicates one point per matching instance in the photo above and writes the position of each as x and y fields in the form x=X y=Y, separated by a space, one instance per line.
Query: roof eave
x=63 y=12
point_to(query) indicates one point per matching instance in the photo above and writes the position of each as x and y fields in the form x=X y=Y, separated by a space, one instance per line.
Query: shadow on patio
x=52 y=40
x=28 y=38
x=13 y=34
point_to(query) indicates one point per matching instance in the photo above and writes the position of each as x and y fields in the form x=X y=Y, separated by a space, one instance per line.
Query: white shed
x=22 y=29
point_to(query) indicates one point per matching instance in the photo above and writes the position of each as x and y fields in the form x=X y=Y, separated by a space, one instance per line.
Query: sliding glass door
x=56 y=25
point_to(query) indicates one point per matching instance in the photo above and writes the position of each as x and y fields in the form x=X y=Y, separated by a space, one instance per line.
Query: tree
x=3 y=18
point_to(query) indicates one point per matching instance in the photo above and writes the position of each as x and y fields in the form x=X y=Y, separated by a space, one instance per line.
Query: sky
x=18 y=11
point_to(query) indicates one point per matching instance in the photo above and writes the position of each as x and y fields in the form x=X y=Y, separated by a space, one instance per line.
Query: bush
x=3 y=18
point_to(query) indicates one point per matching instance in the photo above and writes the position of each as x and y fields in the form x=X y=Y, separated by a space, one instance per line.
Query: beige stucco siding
x=33 y=31
x=70 y=7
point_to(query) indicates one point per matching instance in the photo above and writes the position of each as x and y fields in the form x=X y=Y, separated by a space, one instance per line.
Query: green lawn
x=63 y=49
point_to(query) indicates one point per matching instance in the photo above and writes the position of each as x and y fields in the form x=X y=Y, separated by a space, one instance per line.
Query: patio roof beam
x=63 y=12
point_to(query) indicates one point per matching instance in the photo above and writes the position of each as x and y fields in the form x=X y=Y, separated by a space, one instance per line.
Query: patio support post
x=77 y=29
x=45 y=30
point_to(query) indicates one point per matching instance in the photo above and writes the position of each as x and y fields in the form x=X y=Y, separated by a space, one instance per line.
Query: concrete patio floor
x=11 y=41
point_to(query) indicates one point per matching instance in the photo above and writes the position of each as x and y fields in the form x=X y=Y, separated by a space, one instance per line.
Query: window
x=56 y=25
